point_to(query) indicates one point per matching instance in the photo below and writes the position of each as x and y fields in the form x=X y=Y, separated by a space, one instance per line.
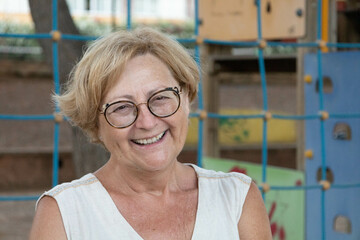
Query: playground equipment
x=326 y=192
x=233 y=20
x=341 y=138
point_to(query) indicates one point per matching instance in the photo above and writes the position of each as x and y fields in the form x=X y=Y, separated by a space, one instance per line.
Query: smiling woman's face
x=140 y=78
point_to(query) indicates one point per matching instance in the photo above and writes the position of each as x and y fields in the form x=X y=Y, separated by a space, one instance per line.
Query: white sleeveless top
x=88 y=211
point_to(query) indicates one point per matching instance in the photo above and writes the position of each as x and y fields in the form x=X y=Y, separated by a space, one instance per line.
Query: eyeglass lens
x=162 y=104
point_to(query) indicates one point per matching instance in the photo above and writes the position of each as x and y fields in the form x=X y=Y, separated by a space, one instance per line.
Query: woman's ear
x=99 y=135
x=186 y=105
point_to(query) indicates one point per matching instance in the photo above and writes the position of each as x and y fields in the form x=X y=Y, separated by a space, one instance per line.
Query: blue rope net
x=316 y=44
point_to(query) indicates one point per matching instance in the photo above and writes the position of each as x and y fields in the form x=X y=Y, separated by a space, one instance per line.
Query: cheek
x=105 y=132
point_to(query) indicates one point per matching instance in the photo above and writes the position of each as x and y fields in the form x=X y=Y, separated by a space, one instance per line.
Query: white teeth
x=149 y=140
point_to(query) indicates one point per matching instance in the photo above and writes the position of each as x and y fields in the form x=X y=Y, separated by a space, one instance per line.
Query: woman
x=131 y=92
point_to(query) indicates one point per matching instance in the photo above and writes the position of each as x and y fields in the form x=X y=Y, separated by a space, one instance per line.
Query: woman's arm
x=254 y=221
x=47 y=222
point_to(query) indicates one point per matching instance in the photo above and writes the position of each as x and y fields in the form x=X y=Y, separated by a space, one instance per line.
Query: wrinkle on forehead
x=140 y=82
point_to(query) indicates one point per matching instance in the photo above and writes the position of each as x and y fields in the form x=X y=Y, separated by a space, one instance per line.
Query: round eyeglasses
x=162 y=104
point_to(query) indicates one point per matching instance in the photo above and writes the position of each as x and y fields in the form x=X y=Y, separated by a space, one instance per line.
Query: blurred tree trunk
x=87 y=157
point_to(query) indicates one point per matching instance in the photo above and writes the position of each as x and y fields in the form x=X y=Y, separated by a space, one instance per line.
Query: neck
x=131 y=180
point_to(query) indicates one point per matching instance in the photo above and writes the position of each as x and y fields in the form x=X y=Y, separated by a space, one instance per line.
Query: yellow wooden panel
x=236 y=20
x=236 y=131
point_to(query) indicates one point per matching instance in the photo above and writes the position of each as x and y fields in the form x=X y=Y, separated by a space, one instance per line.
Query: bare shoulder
x=47 y=222
x=254 y=222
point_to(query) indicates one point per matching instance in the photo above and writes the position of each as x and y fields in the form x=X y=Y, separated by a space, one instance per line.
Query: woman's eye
x=159 y=98
x=119 y=108
x=122 y=108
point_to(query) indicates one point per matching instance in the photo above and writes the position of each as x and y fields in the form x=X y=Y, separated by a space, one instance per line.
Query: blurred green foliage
x=18 y=48
x=87 y=26
x=22 y=48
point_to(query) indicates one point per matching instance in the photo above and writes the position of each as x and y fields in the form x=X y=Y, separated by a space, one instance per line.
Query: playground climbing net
x=324 y=185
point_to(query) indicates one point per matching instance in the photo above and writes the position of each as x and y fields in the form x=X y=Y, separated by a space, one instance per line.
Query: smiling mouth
x=148 y=141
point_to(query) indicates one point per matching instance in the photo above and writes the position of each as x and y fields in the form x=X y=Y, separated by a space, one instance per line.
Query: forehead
x=142 y=75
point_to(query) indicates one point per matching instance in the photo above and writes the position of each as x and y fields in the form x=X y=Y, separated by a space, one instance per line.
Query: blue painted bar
x=263 y=78
x=306 y=187
x=282 y=117
x=354 y=185
x=54 y=15
x=128 y=21
x=323 y=215
x=323 y=165
x=200 y=143
x=55 y=156
x=91 y=38
x=55 y=52
x=200 y=91
x=232 y=43
x=298 y=45
x=26 y=117
x=295 y=117
x=319 y=19
x=321 y=107
x=259 y=25
x=194 y=115
x=344 y=115
x=295 y=188
x=264 y=92
x=283 y=188
x=186 y=40
x=322 y=137
x=18 y=198
x=196 y=19
x=224 y=116
x=78 y=37
x=55 y=62
x=27 y=36
x=321 y=82
x=264 y=150
x=344 y=45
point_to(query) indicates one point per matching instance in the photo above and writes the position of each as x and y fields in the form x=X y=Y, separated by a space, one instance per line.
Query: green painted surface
x=286 y=208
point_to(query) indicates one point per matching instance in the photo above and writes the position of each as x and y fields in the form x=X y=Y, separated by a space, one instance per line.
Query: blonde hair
x=102 y=64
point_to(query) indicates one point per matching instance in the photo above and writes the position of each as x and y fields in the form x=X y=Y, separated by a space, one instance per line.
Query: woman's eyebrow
x=118 y=97
x=132 y=98
x=159 y=88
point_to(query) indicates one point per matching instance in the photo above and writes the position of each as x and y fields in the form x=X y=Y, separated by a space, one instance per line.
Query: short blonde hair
x=102 y=64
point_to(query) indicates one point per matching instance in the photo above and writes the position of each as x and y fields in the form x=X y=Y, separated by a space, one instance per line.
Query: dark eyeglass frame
x=106 y=106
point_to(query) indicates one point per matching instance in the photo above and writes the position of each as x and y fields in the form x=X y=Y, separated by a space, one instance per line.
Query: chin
x=157 y=163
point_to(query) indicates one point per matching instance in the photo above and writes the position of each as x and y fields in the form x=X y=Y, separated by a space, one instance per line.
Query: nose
x=145 y=120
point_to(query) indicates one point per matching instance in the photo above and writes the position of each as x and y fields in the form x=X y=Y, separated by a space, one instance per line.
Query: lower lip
x=152 y=144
